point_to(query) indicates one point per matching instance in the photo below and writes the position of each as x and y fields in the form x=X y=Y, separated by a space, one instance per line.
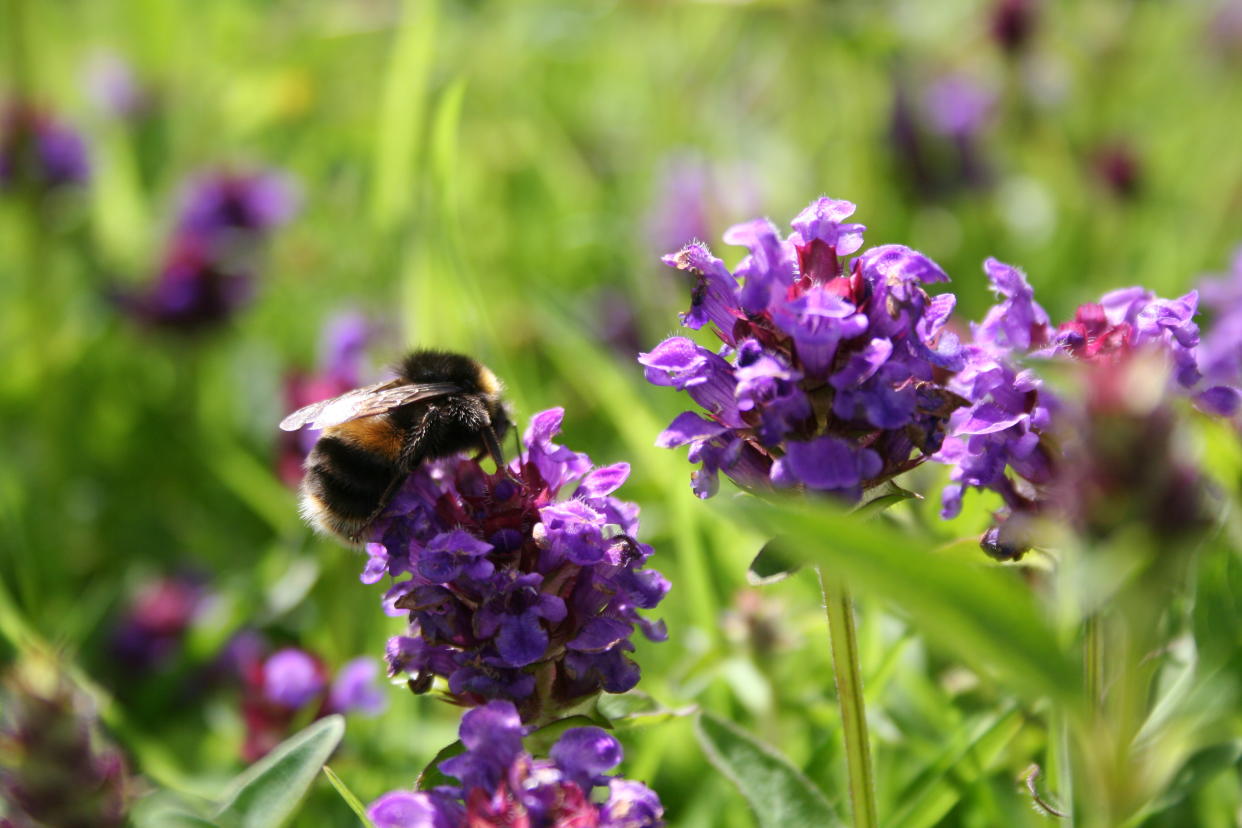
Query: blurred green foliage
x=483 y=176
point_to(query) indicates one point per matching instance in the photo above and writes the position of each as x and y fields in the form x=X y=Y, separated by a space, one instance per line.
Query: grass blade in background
x=399 y=129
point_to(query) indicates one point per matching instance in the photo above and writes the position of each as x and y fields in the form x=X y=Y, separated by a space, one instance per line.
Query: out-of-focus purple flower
x=292 y=677
x=292 y=685
x=1118 y=168
x=517 y=590
x=38 y=149
x=112 y=87
x=342 y=356
x=503 y=785
x=194 y=290
x=1011 y=438
x=151 y=628
x=221 y=203
x=209 y=269
x=1220 y=350
x=957 y=105
x=692 y=195
x=357 y=688
x=1013 y=23
x=936 y=134
x=56 y=766
x=1224 y=29
x=829 y=376
x=680 y=207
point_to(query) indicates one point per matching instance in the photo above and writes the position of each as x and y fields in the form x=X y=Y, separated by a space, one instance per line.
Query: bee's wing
x=364 y=402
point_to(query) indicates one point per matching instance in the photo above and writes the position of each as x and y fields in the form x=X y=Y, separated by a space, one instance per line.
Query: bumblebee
x=439 y=404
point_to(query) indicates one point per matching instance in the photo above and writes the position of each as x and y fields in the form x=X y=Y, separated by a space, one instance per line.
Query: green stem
x=1093 y=661
x=850 y=696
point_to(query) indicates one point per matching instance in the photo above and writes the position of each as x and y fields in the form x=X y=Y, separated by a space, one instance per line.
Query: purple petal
x=600 y=634
x=1221 y=400
x=585 y=753
x=687 y=427
x=410 y=809
x=604 y=480
x=522 y=640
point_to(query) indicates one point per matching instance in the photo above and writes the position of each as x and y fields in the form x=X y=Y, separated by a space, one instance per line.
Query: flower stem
x=1093 y=661
x=848 y=676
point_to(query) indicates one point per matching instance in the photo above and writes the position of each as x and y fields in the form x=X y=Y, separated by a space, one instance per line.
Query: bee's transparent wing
x=364 y=402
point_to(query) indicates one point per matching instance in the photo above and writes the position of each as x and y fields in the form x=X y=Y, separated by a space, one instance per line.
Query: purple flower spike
x=37 y=149
x=514 y=588
x=1014 y=437
x=822 y=356
x=228 y=202
x=502 y=784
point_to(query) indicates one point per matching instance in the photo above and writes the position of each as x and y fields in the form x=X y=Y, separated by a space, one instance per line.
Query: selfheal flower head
x=1013 y=436
x=501 y=784
x=157 y=617
x=194 y=290
x=209 y=269
x=221 y=203
x=56 y=767
x=829 y=375
x=292 y=685
x=38 y=149
x=524 y=584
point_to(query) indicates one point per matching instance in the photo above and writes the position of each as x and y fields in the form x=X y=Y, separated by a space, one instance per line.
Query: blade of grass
x=351 y=799
x=402 y=113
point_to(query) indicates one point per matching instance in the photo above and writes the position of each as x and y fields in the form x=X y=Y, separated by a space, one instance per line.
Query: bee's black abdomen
x=351 y=481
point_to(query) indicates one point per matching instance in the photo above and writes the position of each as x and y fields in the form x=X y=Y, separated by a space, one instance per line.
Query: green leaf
x=351 y=799
x=1198 y=770
x=431 y=776
x=779 y=794
x=773 y=563
x=983 y=614
x=267 y=793
x=882 y=497
x=634 y=709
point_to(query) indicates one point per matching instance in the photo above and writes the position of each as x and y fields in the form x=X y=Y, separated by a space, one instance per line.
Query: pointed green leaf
x=431 y=776
x=773 y=563
x=779 y=794
x=267 y=793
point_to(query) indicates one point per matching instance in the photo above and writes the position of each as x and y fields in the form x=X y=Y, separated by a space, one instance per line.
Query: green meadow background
x=490 y=177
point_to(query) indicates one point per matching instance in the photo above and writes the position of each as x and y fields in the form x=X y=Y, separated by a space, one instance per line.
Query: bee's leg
x=493 y=448
x=384 y=500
